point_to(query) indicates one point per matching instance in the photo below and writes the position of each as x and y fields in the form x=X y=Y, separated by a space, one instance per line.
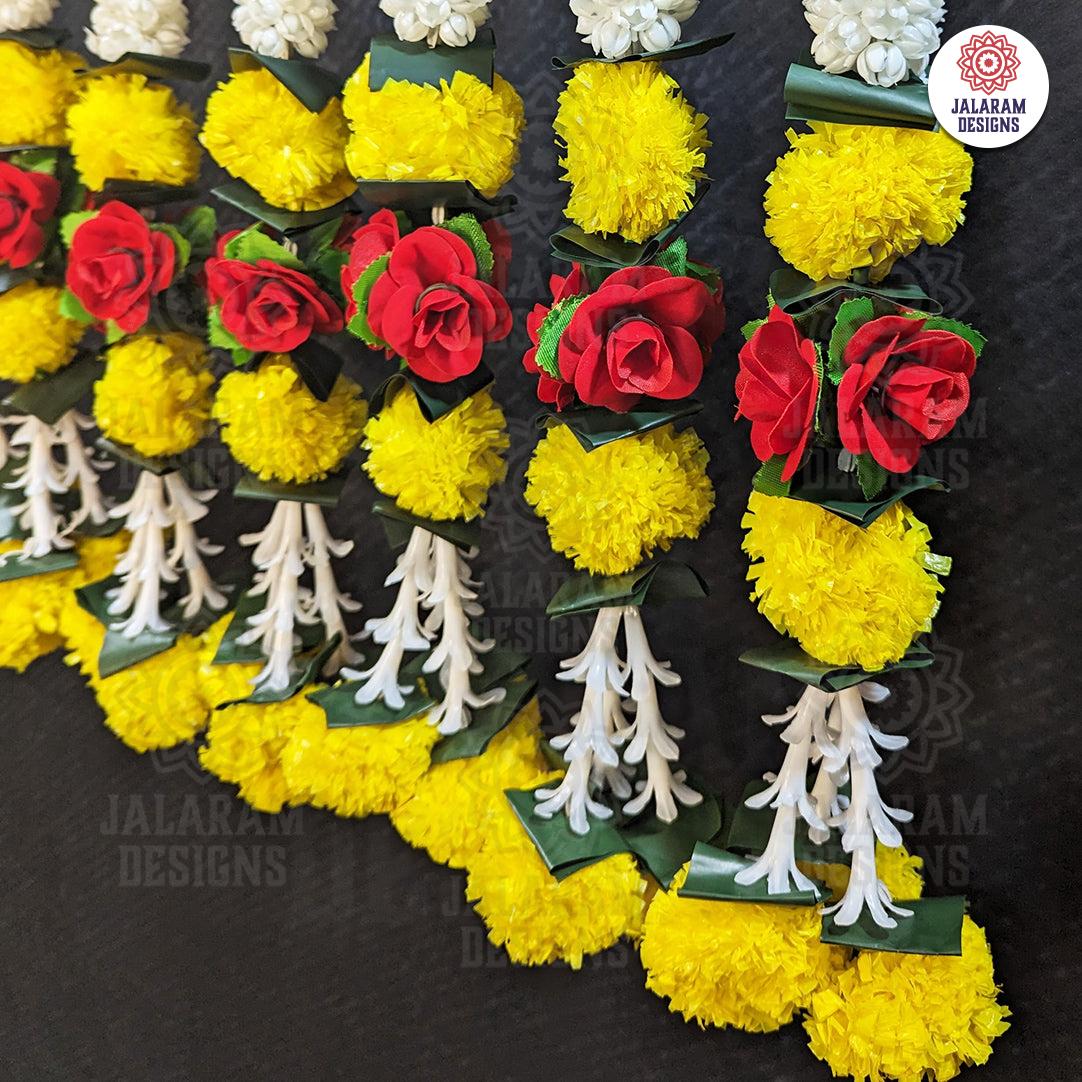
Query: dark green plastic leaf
x=343 y=713
x=666 y=847
x=10 y=277
x=683 y=51
x=318 y=366
x=50 y=396
x=416 y=62
x=13 y=567
x=712 y=878
x=157 y=466
x=237 y=194
x=142 y=193
x=400 y=523
x=863 y=512
x=312 y=85
x=420 y=196
x=306 y=669
x=154 y=67
x=935 y=928
x=486 y=724
x=798 y=295
x=595 y=427
x=230 y=652
x=788 y=659
x=326 y=493
x=435 y=400
x=38 y=38
x=658 y=584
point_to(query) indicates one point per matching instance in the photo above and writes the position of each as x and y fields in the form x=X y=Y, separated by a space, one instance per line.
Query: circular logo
x=988 y=86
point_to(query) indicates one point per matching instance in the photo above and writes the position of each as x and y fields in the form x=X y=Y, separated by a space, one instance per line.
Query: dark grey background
x=355 y=956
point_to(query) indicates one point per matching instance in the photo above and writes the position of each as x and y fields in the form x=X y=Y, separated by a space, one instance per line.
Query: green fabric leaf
x=787 y=658
x=70 y=222
x=663 y=582
x=326 y=493
x=49 y=397
x=870 y=475
x=199 y=228
x=749 y=328
x=217 y=335
x=767 y=479
x=253 y=244
x=552 y=330
x=362 y=290
x=712 y=877
x=674 y=258
x=180 y=243
x=852 y=315
x=38 y=160
x=469 y=229
x=666 y=847
x=963 y=330
x=935 y=928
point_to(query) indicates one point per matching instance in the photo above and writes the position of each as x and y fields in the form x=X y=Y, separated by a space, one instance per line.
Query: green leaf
x=312 y=85
x=230 y=652
x=154 y=67
x=253 y=244
x=963 y=330
x=802 y=298
x=871 y=476
x=113 y=333
x=788 y=659
x=486 y=723
x=400 y=523
x=50 y=396
x=420 y=196
x=935 y=928
x=326 y=493
x=664 y=582
x=38 y=160
x=435 y=400
x=848 y=505
x=666 y=847
x=749 y=328
x=199 y=228
x=674 y=258
x=70 y=222
x=852 y=315
x=552 y=330
x=219 y=338
x=359 y=326
x=343 y=712
x=318 y=366
x=712 y=877
x=238 y=194
x=72 y=308
x=305 y=669
x=13 y=566
x=682 y=51
x=596 y=427
x=767 y=479
x=469 y=229
x=417 y=62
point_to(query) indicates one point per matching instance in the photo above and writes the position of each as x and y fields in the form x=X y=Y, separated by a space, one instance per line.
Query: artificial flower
x=551 y=388
x=26 y=14
x=446 y=22
x=257 y=130
x=34 y=336
x=848 y=595
x=277 y=27
x=610 y=509
x=36 y=90
x=634 y=148
x=27 y=201
x=279 y=430
x=152 y=27
x=442 y=469
x=847 y=197
x=370 y=240
x=617 y=28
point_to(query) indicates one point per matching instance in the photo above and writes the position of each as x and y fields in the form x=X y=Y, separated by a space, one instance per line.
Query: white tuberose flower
x=157 y=27
x=274 y=27
x=617 y=28
x=25 y=14
x=882 y=40
x=450 y=22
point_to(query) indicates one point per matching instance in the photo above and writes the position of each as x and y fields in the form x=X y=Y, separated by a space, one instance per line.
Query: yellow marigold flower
x=464 y=130
x=442 y=470
x=538 y=919
x=846 y=197
x=223 y=683
x=368 y=770
x=910 y=1017
x=898 y=870
x=735 y=963
x=123 y=127
x=34 y=336
x=258 y=131
x=848 y=596
x=449 y=812
x=279 y=430
x=610 y=509
x=155 y=393
x=635 y=148
x=36 y=89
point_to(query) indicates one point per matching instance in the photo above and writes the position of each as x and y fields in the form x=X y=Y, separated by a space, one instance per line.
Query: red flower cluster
x=27 y=201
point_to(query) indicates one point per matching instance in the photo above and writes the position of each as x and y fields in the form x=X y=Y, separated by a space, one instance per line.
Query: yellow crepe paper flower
x=279 y=430
x=223 y=683
x=538 y=919
x=449 y=812
x=635 y=148
x=36 y=89
x=442 y=470
x=34 y=336
x=898 y=870
x=609 y=510
x=462 y=130
x=123 y=127
x=258 y=131
x=910 y=1017
x=846 y=197
x=735 y=963
x=155 y=394
x=847 y=595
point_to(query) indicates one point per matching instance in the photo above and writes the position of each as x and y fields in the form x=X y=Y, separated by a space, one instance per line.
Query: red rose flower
x=269 y=308
x=777 y=388
x=117 y=263
x=903 y=387
x=550 y=390
x=373 y=239
x=27 y=201
x=431 y=308
x=644 y=332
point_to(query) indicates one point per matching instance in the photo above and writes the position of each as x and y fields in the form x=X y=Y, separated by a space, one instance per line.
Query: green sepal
x=230 y=652
x=318 y=366
x=852 y=315
x=417 y=62
x=420 y=196
x=767 y=479
x=788 y=659
x=852 y=508
x=935 y=928
x=50 y=396
x=594 y=426
x=749 y=328
x=146 y=193
x=963 y=330
x=871 y=477
x=312 y=85
x=712 y=878
x=344 y=713
x=486 y=724
x=552 y=330
x=659 y=584
x=400 y=523
x=359 y=325
x=326 y=493
x=252 y=244
x=242 y=196
x=469 y=229
x=13 y=567
x=666 y=847
x=674 y=258
x=199 y=227
x=153 y=67
x=683 y=51
x=435 y=400
x=801 y=297
x=306 y=668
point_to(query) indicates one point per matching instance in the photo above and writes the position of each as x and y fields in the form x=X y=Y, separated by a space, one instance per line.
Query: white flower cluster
x=882 y=40
x=277 y=27
x=617 y=28
x=446 y=22
x=157 y=27
x=25 y=14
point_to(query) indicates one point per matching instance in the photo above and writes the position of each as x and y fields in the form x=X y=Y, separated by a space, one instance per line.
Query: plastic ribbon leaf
x=800 y=296
x=666 y=847
x=420 y=196
x=712 y=877
x=306 y=669
x=435 y=400
x=683 y=51
x=846 y=502
x=788 y=659
x=13 y=566
x=417 y=62
x=318 y=366
x=236 y=193
x=37 y=38
x=49 y=397
x=595 y=426
x=935 y=927
x=486 y=722
x=326 y=493
x=154 y=67
x=231 y=652
x=312 y=85
x=663 y=582
x=400 y=523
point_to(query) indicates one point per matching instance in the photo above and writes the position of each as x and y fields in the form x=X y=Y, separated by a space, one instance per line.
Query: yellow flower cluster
x=910 y=1017
x=442 y=470
x=635 y=148
x=847 y=595
x=279 y=430
x=539 y=919
x=846 y=197
x=36 y=89
x=34 y=336
x=452 y=805
x=123 y=127
x=898 y=870
x=609 y=509
x=258 y=131
x=735 y=963
x=155 y=393
x=464 y=130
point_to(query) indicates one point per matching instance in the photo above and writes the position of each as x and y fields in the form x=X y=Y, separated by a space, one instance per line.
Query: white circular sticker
x=988 y=86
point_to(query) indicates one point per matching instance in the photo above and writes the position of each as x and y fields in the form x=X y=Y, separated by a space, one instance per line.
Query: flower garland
x=152 y=27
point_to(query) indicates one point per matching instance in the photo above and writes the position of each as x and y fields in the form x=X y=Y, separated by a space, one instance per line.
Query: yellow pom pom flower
x=123 y=127
x=34 y=337
x=848 y=596
x=258 y=131
x=910 y=1017
x=735 y=963
x=449 y=812
x=36 y=89
x=223 y=683
x=538 y=919
x=846 y=197
x=898 y=870
x=368 y=770
x=280 y=431
x=608 y=510
x=635 y=148
x=442 y=470
x=462 y=130
x=155 y=394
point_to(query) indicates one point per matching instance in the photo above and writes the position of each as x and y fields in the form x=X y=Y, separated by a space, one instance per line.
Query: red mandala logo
x=989 y=62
